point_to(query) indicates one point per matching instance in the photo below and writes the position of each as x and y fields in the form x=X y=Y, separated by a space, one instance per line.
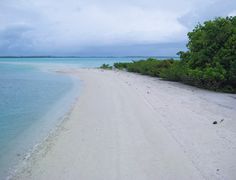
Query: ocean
x=34 y=99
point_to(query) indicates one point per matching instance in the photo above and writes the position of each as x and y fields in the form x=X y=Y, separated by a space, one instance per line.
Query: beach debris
x=221 y=120
x=215 y=122
x=217 y=169
x=18 y=154
x=148 y=92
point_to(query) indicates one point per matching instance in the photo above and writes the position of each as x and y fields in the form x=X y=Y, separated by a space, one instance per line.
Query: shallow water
x=27 y=97
x=79 y=61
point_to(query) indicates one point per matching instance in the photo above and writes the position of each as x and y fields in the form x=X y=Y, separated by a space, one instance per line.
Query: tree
x=213 y=45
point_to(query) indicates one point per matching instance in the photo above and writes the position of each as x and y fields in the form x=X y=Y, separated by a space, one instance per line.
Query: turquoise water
x=34 y=98
x=27 y=97
x=79 y=61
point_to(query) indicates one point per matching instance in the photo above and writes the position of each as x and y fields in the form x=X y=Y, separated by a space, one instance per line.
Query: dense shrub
x=151 y=67
x=175 y=72
x=210 y=61
x=121 y=65
x=212 y=53
x=211 y=43
x=232 y=74
x=210 y=78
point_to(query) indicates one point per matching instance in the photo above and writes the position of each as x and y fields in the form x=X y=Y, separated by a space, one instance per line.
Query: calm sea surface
x=33 y=99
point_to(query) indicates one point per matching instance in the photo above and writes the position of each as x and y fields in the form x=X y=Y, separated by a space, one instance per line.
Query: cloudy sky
x=103 y=27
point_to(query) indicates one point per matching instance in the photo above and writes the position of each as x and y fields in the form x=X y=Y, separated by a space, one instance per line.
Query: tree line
x=209 y=62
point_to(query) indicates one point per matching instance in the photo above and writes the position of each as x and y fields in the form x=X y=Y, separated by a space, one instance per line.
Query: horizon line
x=53 y=56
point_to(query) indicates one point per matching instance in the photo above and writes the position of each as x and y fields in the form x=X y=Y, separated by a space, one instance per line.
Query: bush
x=210 y=78
x=121 y=66
x=175 y=72
x=211 y=57
x=213 y=78
x=151 y=67
x=232 y=75
x=211 y=43
x=210 y=61
x=106 y=66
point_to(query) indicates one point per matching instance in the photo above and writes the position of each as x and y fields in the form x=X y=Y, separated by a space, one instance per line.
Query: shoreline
x=140 y=131
x=40 y=147
x=49 y=124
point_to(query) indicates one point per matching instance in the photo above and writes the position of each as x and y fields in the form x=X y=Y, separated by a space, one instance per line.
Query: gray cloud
x=159 y=49
x=33 y=27
x=15 y=38
x=204 y=12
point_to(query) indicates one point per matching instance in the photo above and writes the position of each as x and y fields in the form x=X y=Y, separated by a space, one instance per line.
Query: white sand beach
x=127 y=126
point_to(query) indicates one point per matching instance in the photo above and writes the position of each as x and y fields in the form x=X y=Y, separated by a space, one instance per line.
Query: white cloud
x=66 y=24
x=233 y=13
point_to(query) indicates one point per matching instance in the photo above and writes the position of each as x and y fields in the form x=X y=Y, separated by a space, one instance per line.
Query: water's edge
x=40 y=148
x=26 y=143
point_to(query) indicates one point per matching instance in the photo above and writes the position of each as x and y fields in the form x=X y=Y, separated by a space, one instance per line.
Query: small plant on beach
x=121 y=65
x=106 y=66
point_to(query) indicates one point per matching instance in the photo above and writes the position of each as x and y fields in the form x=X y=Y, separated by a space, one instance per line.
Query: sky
x=103 y=27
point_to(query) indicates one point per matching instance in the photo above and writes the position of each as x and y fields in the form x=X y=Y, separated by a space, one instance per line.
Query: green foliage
x=212 y=42
x=175 y=72
x=210 y=61
x=211 y=58
x=232 y=74
x=120 y=65
x=151 y=67
x=210 y=78
x=106 y=66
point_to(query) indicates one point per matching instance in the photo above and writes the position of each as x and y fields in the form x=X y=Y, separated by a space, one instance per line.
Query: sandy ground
x=131 y=127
